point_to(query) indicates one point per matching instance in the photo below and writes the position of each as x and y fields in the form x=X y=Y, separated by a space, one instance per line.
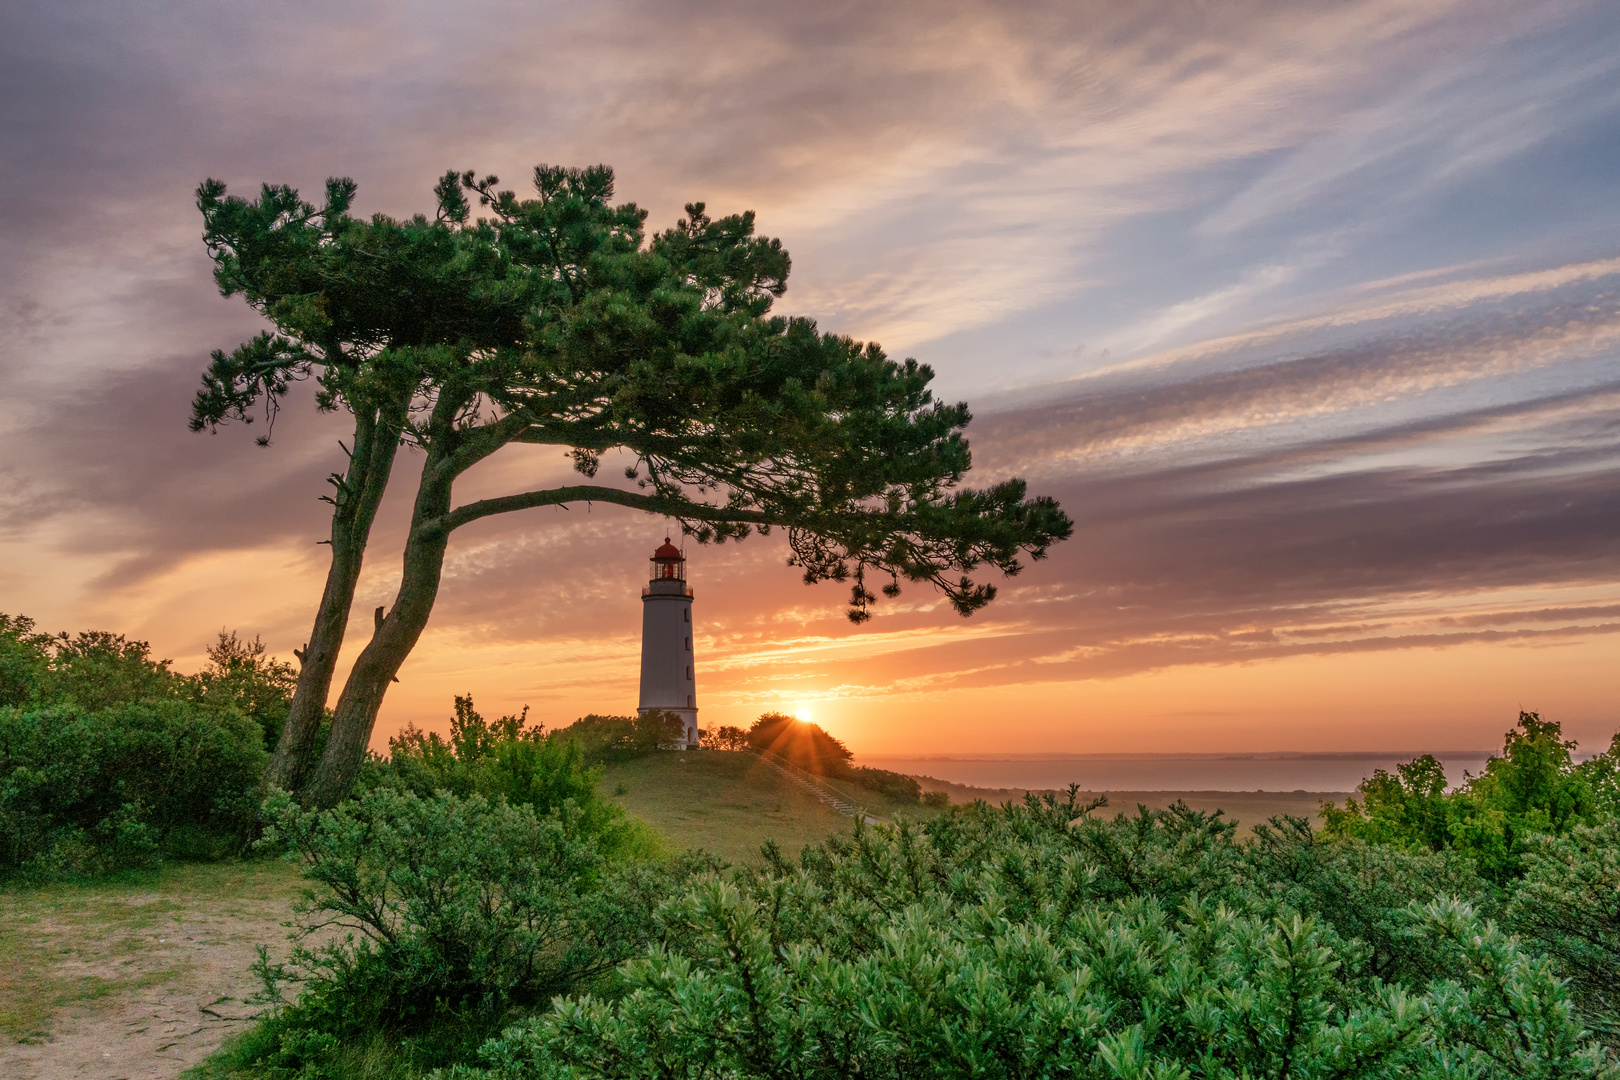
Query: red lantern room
x=668 y=564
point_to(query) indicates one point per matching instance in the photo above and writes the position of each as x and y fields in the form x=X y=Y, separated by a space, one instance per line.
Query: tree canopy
x=556 y=320
x=1535 y=787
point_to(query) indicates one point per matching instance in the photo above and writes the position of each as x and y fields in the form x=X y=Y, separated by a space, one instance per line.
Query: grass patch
x=374 y=1058
x=71 y=943
x=730 y=802
x=725 y=801
x=874 y=803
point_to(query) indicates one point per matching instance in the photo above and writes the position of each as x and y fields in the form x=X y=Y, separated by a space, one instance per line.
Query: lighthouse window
x=688 y=672
x=686 y=614
x=688 y=701
x=688 y=644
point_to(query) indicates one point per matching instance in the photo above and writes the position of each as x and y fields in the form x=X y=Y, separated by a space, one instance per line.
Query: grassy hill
x=730 y=802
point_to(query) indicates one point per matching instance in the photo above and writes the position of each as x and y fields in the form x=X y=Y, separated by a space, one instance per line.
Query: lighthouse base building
x=668 y=680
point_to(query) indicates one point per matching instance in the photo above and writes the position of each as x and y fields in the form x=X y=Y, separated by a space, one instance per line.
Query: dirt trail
x=135 y=982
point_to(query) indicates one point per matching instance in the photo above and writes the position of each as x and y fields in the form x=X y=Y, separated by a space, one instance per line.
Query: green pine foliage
x=1036 y=940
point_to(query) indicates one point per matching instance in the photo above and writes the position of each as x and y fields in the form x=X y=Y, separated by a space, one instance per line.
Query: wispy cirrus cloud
x=1307 y=312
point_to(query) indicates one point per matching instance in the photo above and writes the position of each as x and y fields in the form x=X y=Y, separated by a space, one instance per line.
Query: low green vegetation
x=512 y=761
x=512 y=903
x=110 y=760
x=452 y=914
x=728 y=802
x=1037 y=940
x=1040 y=938
x=1243 y=808
x=624 y=738
x=1535 y=788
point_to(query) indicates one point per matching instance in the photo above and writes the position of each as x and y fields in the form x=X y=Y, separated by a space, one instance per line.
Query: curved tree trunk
x=395 y=636
x=359 y=493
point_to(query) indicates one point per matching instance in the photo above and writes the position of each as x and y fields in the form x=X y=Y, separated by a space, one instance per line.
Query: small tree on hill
x=557 y=321
x=803 y=743
x=725 y=737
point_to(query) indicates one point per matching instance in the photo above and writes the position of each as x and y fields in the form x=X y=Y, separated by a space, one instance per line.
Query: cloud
x=1347 y=389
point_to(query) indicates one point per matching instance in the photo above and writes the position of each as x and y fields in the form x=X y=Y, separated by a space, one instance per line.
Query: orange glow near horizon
x=898 y=685
x=1271 y=301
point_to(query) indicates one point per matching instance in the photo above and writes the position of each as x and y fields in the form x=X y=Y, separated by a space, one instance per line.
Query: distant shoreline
x=1257 y=755
x=1273 y=771
x=1245 y=808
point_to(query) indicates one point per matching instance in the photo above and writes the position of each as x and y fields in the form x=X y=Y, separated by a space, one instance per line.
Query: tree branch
x=652 y=504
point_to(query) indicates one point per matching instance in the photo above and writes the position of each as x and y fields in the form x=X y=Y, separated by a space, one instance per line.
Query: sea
x=1334 y=772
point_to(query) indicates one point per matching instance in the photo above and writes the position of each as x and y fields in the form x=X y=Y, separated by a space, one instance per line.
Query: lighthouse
x=667 y=681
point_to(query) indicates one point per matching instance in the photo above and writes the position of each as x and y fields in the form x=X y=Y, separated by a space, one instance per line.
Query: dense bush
x=1568 y=906
x=96 y=669
x=725 y=737
x=25 y=659
x=242 y=677
x=84 y=791
x=108 y=758
x=512 y=760
x=1535 y=787
x=452 y=912
x=1021 y=942
x=90 y=670
x=616 y=738
x=1362 y=891
x=891 y=785
x=800 y=742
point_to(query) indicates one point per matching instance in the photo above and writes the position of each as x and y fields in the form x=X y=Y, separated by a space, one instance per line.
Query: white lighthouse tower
x=667 y=681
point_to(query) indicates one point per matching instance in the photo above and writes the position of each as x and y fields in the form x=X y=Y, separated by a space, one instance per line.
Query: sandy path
x=139 y=982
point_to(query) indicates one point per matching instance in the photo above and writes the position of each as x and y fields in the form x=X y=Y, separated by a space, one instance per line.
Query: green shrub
x=1568 y=905
x=1534 y=787
x=84 y=791
x=891 y=785
x=618 y=738
x=25 y=660
x=453 y=912
x=96 y=669
x=509 y=759
x=725 y=737
x=1012 y=943
x=799 y=742
x=1363 y=892
x=241 y=676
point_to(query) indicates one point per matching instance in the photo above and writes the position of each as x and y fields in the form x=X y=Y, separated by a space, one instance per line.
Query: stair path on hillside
x=816 y=788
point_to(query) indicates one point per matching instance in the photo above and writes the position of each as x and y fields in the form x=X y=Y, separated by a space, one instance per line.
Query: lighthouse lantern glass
x=668 y=564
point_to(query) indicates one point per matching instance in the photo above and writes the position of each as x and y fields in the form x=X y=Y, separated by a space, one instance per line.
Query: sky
x=1307 y=313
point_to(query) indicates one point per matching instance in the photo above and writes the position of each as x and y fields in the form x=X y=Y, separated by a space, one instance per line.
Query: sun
x=802 y=713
